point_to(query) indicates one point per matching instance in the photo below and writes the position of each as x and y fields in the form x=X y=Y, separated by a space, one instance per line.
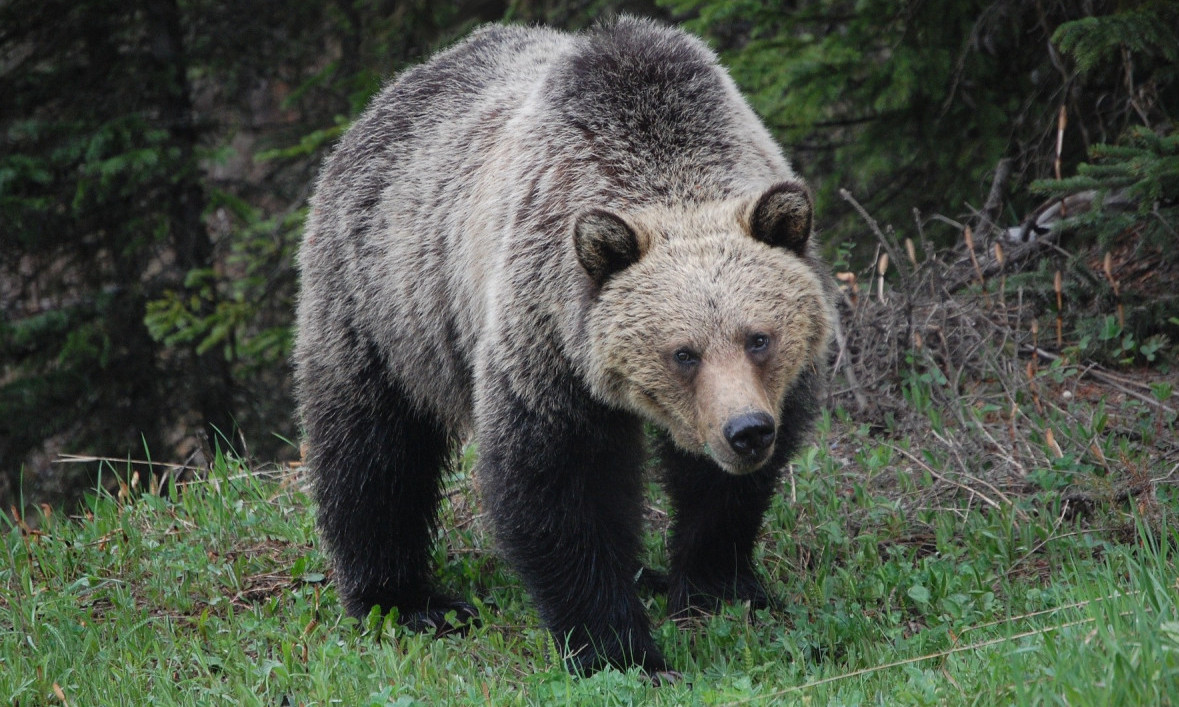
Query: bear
x=577 y=250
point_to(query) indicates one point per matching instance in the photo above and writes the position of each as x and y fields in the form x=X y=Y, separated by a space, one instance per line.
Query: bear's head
x=703 y=318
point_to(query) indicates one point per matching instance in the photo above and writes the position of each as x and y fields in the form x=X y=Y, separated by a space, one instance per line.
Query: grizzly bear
x=541 y=241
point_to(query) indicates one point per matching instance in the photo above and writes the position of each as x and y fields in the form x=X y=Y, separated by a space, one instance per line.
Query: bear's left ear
x=605 y=244
x=783 y=217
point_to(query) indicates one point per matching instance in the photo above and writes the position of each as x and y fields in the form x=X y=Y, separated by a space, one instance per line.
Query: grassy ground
x=986 y=516
x=216 y=593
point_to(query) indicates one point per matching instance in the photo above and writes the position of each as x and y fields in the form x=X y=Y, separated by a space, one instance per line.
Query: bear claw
x=687 y=600
x=664 y=677
x=454 y=618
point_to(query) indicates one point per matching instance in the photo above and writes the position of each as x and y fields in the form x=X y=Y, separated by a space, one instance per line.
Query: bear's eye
x=758 y=342
x=686 y=357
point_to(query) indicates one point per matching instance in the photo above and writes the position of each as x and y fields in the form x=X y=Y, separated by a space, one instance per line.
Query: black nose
x=751 y=434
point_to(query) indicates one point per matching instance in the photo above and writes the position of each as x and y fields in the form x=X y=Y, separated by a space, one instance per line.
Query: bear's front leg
x=563 y=487
x=715 y=523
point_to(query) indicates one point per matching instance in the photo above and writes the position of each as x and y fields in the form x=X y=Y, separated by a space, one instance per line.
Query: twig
x=848 y=370
x=986 y=499
x=1061 y=122
x=968 y=239
x=990 y=210
x=83 y=459
x=1013 y=254
x=892 y=253
x=1054 y=610
x=1102 y=376
x=958 y=225
x=961 y=463
x=982 y=429
x=1045 y=541
x=928 y=656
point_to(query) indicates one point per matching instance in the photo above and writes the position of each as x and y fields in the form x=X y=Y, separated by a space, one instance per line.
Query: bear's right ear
x=783 y=217
x=605 y=244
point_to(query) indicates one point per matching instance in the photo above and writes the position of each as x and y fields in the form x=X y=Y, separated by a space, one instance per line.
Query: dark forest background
x=156 y=157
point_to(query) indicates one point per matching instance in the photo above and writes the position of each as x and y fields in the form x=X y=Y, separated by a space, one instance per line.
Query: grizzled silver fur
x=512 y=243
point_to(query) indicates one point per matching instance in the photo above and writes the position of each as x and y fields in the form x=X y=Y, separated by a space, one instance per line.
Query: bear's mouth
x=737 y=465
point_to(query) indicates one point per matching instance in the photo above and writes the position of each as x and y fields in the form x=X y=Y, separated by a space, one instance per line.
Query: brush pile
x=968 y=363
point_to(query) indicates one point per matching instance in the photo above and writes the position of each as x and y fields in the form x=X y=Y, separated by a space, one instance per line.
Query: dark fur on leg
x=717 y=516
x=716 y=521
x=652 y=581
x=565 y=497
x=376 y=466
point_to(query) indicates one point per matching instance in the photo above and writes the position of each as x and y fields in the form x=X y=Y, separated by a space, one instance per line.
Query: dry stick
x=82 y=459
x=1123 y=379
x=968 y=236
x=1061 y=122
x=1103 y=377
x=1107 y=265
x=929 y=656
x=25 y=534
x=956 y=374
x=984 y=482
x=848 y=370
x=1015 y=253
x=926 y=248
x=977 y=424
x=935 y=279
x=1034 y=365
x=1012 y=428
x=990 y=210
x=1002 y=277
x=1045 y=541
x=876 y=230
x=948 y=221
x=1033 y=452
x=1015 y=366
x=986 y=499
x=843 y=360
x=1058 y=284
x=1054 y=610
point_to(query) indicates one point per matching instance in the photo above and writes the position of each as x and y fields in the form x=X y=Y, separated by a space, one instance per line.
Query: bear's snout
x=750 y=435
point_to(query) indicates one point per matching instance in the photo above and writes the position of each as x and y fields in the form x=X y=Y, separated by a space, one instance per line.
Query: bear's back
x=397 y=181
x=657 y=114
x=426 y=104
x=458 y=185
x=642 y=107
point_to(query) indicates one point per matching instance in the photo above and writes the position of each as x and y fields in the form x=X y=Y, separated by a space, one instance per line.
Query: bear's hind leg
x=376 y=463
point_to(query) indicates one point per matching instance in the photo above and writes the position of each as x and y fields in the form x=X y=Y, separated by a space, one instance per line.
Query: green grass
x=215 y=593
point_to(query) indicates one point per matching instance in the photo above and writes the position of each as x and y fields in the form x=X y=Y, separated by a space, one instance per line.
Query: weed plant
x=986 y=516
x=215 y=592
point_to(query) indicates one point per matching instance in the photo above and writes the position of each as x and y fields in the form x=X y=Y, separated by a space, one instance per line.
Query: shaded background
x=156 y=157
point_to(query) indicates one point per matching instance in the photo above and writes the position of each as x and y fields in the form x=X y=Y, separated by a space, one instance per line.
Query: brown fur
x=519 y=241
x=705 y=282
